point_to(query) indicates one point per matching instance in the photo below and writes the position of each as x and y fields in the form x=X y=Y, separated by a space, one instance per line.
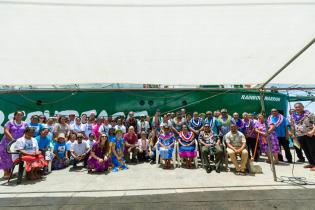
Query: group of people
x=109 y=143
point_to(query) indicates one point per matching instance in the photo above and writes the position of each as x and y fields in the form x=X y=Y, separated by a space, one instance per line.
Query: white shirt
x=104 y=128
x=142 y=126
x=90 y=142
x=142 y=146
x=120 y=127
x=80 y=149
x=29 y=145
x=77 y=128
x=88 y=128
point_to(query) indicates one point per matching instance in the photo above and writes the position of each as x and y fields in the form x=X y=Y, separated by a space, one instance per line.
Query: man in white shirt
x=77 y=126
x=142 y=125
x=120 y=126
x=236 y=145
x=79 y=151
x=104 y=128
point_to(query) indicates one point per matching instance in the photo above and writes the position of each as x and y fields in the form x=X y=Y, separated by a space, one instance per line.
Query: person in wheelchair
x=211 y=145
x=27 y=146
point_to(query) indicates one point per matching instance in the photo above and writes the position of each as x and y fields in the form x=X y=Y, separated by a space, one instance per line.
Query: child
x=61 y=159
x=143 y=147
x=118 y=152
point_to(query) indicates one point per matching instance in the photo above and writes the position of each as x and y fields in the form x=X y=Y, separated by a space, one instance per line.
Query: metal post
x=263 y=110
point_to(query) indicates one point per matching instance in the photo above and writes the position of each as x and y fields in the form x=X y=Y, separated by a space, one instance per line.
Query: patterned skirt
x=274 y=144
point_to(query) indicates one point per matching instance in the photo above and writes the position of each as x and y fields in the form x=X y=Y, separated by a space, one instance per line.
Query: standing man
x=303 y=127
x=281 y=125
x=213 y=122
x=225 y=121
x=131 y=121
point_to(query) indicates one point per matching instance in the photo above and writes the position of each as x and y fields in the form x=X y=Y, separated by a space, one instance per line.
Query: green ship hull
x=109 y=102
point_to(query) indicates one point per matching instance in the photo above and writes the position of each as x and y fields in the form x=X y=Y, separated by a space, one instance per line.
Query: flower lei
x=279 y=121
x=210 y=122
x=227 y=122
x=196 y=125
x=166 y=137
x=187 y=138
x=299 y=118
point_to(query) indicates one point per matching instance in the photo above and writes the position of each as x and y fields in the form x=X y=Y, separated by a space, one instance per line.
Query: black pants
x=299 y=153
x=75 y=162
x=285 y=144
x=308 y=146
x=251 y=143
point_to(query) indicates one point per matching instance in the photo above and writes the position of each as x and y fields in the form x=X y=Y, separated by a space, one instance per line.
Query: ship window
x=141 y=102
x=39 y=102
x=151 y=103
x=184 y=103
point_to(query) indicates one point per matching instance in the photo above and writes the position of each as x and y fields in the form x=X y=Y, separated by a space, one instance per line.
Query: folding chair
x=157 y=155
x=18 y=161
x=195 y=159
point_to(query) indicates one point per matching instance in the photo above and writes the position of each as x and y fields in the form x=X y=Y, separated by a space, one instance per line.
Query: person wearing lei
x=166 y=145
x=195 y=123
x=213 y=122
x=118 y=146
x=238 y=122
x=261 y=130
x=250 y=135
x=186 y=142
x=225 y=120
x=303 y=128
x=281 y=128
x=211 y=145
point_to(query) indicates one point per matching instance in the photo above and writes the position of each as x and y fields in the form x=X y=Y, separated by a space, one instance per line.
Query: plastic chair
x=18 y=161
x=157 y=155
x=195 y=159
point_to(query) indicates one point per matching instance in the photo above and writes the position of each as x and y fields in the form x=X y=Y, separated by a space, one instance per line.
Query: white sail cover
x=193 y=42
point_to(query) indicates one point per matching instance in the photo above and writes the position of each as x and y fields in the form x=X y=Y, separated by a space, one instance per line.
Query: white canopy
x=155 y=41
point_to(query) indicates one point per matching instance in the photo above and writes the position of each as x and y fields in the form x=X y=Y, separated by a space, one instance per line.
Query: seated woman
x=187 y=146
x=143 y=147
x=118 y=146
x=153 y=138
x=166 y=145
x=99 y=158
x=28 y=147
x=61 y=159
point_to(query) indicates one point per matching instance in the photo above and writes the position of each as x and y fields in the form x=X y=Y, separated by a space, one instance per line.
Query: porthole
x=184 y=103
x=151 y=103
x=141 y=102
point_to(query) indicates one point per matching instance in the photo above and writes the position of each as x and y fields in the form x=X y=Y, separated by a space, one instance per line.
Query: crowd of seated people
x=111 y=143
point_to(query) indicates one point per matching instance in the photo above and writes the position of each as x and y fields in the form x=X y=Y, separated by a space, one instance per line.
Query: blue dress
x=119 y=148
x=166 y=140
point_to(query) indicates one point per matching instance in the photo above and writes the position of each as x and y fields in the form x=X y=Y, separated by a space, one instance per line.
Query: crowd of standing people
x=109 y=144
